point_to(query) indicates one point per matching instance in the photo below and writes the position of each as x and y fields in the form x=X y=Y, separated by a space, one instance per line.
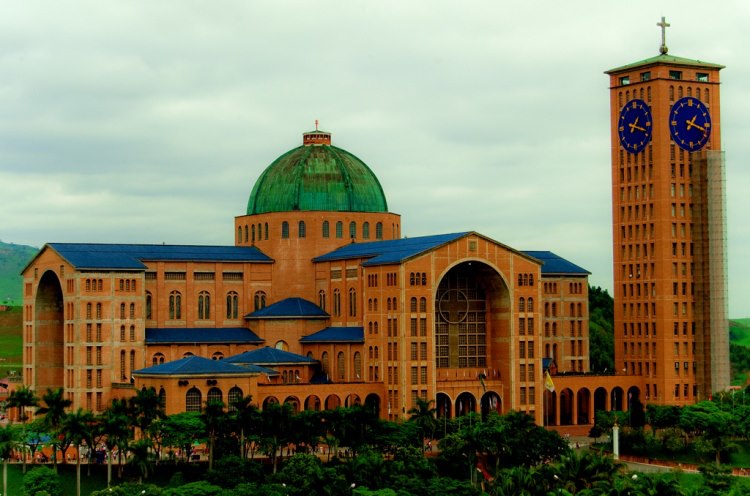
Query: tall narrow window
x=340 y=366
x=322 y=300
x=284 y=230
x=204 y=305
x=301 y=230
x=175 y=305
x=352 y=302
x=352 y=230
x=379 y=230
x=260 y=300
x=149 y=306
x=193 y=400
x=122 y=310
x=336 y=303
x=132 y=310
x=339 y=229
x=326 y=229
x=232 y=304
x=366 y=230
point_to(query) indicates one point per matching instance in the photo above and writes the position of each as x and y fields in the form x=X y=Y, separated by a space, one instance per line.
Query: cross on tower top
x=663 y=25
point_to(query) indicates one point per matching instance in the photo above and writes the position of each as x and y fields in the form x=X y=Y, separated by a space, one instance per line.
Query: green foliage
x=230 y=471
x=130 y=489
x=199 y=488
x=601 y=333
x=716 y=477
x=41 y=479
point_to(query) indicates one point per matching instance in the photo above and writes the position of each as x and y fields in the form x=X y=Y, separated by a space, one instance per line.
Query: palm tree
x=22 y=398
x=9 y=441
x=246 y=416
x=114 y=424
x=146 y=407
x=276 y=419
x=140 y=458
x=54 y=412
x=585 y=470
x=423 y=415
x=213 y=417
x=78 y=427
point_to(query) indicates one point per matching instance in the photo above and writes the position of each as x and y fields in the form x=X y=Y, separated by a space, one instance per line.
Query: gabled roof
x=666 y=60
x=294 y=308
x=336 y=335
x=130 y=257
x=194 y=335
x=390 y=251
x=268 y=356
x=194 y=365
x=554 y=264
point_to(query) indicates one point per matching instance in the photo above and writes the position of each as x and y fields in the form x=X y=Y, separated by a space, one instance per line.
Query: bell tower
x=668 y=226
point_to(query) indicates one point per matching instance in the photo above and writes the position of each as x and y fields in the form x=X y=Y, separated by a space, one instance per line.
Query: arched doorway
x=566 y=407
x=372 y=404
x=332 y=402
x=583 y=402
x=491 y=402
x=49 y=342
x=465 y=403
x=600 y=399
x=443 y=405
x=616 y=403
x=312 y=403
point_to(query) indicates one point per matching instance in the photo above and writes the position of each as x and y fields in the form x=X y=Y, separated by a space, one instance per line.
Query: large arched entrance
x=472 y=321
x=49 y=341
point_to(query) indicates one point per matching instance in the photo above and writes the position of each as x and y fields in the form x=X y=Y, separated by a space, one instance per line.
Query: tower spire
x=663 y=25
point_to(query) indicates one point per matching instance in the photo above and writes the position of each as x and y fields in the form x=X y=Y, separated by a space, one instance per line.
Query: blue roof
x=131 y=257
x=194 y=365
x=336 y=335
x=201 y=335
x=289 y=308
x=268 y=356
x=554 y=264
x=391 y=251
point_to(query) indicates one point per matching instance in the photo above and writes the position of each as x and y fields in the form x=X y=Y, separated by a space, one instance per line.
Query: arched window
x=232 y=305
x=413 y=304
x=352 y=302
x=132 y=362
x=326 y=229
x=88 y=310
x=149 y=306
x=193 y=400
x=379 y=230
x=352 y=230
x=284 y=230
x=132 y=310
x=322 y=300
x=204 y=305
x=98 y=310
x=366 y=230
x=187 y=354
x=132 y=333
x=357 y=365
x=336 y=303
x=260 y=300
x=175 y=305
x=217 y=356
x=122 y=333
x=162 y=398
x=423 y=304
x=253 y=233
x=530 y=305
x=122 y=310
x=157 y=359
x=123 y=371
x=424 y=278
x=521 y=304
x=324 y=362
x=388 y=303
x=215 y=395
x=233 y=397
x=340 y=366
x=281 y=345
x=301 y=230
x=339 y=229
x=265 y=230
x=239 y=234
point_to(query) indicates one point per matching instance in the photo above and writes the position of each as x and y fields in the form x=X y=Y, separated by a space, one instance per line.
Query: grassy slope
x=13 y=258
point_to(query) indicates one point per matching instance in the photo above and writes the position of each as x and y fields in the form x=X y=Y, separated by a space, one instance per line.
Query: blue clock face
x=690 y=123
x=634 y=126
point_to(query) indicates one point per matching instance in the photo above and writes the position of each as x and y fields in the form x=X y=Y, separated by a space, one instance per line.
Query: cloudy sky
x=149 y=122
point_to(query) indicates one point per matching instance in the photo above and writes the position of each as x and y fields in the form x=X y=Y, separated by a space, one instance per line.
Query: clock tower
x=668 y=227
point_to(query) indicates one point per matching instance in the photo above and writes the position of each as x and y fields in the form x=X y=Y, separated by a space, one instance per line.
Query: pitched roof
x=268 y=356
x=194 y=365
x=336 y=335
x=289 y=308
x=667 y=60
x=555 y=264
x=131 y=257
x=390 y=251
x=201 y=335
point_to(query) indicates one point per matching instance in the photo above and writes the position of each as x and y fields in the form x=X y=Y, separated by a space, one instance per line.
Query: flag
x=548 y=384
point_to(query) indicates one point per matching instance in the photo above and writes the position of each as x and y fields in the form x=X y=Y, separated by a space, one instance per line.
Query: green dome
x=317 y=176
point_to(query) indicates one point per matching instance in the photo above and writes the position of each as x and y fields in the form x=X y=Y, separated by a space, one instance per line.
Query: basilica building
x=319 y=303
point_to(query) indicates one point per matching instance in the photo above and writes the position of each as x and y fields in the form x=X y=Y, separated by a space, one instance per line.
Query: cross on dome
x=663 y=25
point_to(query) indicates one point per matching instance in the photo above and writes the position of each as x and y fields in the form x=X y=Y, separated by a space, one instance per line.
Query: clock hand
x=634 y=125
x=691 y=123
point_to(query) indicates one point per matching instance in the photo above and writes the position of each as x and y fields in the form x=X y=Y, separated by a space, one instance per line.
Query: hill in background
x=13 y=258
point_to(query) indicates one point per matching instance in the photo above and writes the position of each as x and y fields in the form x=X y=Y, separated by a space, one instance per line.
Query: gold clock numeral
x=621 y=128
x=690 y=103
x=674 y=123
